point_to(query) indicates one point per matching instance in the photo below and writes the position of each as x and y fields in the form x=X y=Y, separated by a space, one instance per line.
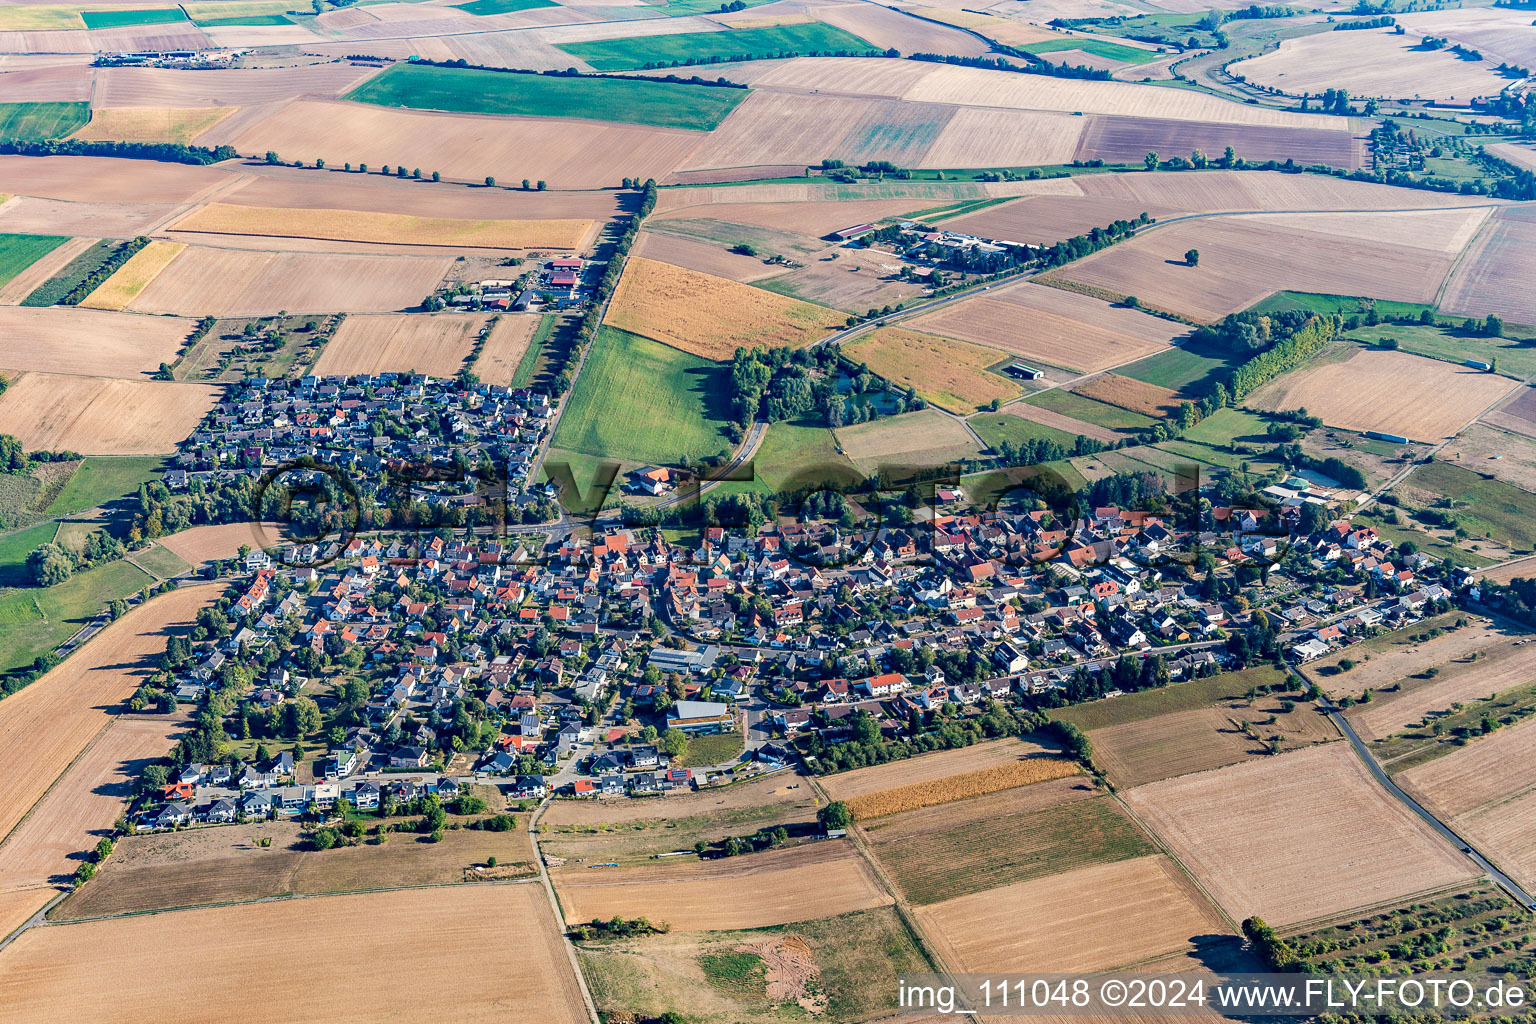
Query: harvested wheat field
x=805 y=216
x=431 y=343
x=779 y=788
x=206 y=281
x=1489 y=769
x=391 y=228
x=1505 y=831
x=504 y=348
x=87 y=179
x=102 y=416
x=46 y=725
x=950 y=374
x=1491 y=277
x=1394 y=392
x=1244 y=259
x=710 y=316
x=754 y=891
x=1238 y=191
x=73 y=340
x=1370 y=62
x=924 y=438
x=1088 y=919
x=908 y=825
x=1128 y=393
x=1126 y=140
x=523 y=976
x=151 y=124
x=205 y=543
x=1003 y=30
x=1396 y=656
x=1047 y=219
x=889 y=28
x=705 y=257
x=1242 y=831
x=1051 y=325
x=931 y=767
x=81 y=807
x=567 y=154
x=18 y=905
x=1168 y=745
x=1503 y=667
x=134 y=276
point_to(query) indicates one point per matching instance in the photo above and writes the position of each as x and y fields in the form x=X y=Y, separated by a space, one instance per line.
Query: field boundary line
x=1166 y=851
x=40 y=917
x=277 y=898
x=1345 y=916
x=89 y=744
x=554 y=905
x=1445 y=282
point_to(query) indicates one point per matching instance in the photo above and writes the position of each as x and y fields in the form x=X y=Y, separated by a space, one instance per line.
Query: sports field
x=743 y=44
x=468 y=91
x=641 y=401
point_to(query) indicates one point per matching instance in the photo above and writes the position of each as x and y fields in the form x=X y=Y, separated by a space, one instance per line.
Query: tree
x=526 y=184
x=49 y=565
x=437 y=176
x=674 y=742
x=1493 y=326
x=490 y=182
x=542 y=185
x=1192 y=257
x=1152 y=161
x=835 y=816
x=272 y=157
x=319 y=165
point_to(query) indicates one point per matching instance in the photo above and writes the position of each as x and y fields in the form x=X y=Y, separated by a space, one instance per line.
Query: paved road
x=1504 y=882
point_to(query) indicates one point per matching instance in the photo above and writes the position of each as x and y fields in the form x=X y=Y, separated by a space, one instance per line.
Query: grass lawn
x=35 y=121
x=795 y=450
x=741 y=44
x=502 y=6
x=1455 y=345
x=125 y=19
x=642 y=401
x=1430 y=545
x=100 y=480
x=1097 y=47
x=1190 y=369
x=77 y=270
x=14 y=549
x=996 y=428
x=33 y=620
x=530 y=360
x=465 y=90
x=1066 y=403
x=18 y=252
x=584 y=499
x=1197 y=693
x=1504 y=513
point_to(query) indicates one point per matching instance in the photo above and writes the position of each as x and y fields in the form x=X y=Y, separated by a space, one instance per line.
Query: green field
x=683 y=8
x=1516 y=359
x=465 y=90
x=1224 y=426
x=161 y=561
x=249 y=19
x=1097 y=47
x=1346 y=304
x=982 y=855
x=35 y=121
x=100 y=480
x=741 y=44
x=34 y=621
x=1198 y=693
x=1060 y=400
x=996 y=428
x=523 y=375
x=1492 y=508
x=1189 y=368
x=18 y=252
x=792 y=450
x=502 y=6
x=127 y=19
x=77 y=270
x=1434 y=547
x=14 y=549
x=642 y=401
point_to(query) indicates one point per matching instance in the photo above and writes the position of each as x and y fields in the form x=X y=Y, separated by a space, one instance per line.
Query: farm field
x=1486 y=447
x=66 y=278
x=997 y=428
x=1454 y=345
x=709 y=316
x=18 y=905
x=1370 y=62
x=1187 y=696
x=433 y=343
x=205 y=281
x=747 y=798
x=1486 y=508
x=1243 y=259
x=618 y=54
x=658 y=973
x=82 y=805
x=1090 y=918
x=752 y=891
x=1486 y=279
x=98 y=481
x=18 y=252
x=1389 y=657
x=151 y=124
x=980 y=782
x=642 y=401
x=1071 y=404
x=134 y=276
x=505 y=348
x=946 y=864
x=26 y=280
x=528 y=975
x=1215 y=191
x=1132 y=394
x=205 y=543
x=1053 y=326
x=41 y=120
x=566 y=154
x=1240 y=829
x=927 y=768
x=44 y=726
x=396 y=229
x=102 y=416
x=1037 y=417
x=794 y=450
x=1188 y=368
x=467 y=91
x=705 y=257
x=1376 y=389
x=950 y=374
x=923 y=438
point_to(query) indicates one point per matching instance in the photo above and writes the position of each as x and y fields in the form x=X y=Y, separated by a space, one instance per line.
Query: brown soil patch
x=1046 y=417
x=1020 y=800
x=917 y=795
x=101 y=416
x=391 y=228
x=791 y=970
x=1386 y=660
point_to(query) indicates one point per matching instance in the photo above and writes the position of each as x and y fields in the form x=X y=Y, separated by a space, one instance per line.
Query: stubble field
x=1376 y=389
x=390 y=228
x=1370 y=62
x=102 y=416
x=1242 y=831
x=1491 y=275
x=151 y=124
x=74 y=340
x=1200 y=739
x=1394 y=656
x=1503 y=666
x=134 y=276
x=950 y=374
x=524 y=975
x=923 y=438
x=433 y=343
x=504 y=348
